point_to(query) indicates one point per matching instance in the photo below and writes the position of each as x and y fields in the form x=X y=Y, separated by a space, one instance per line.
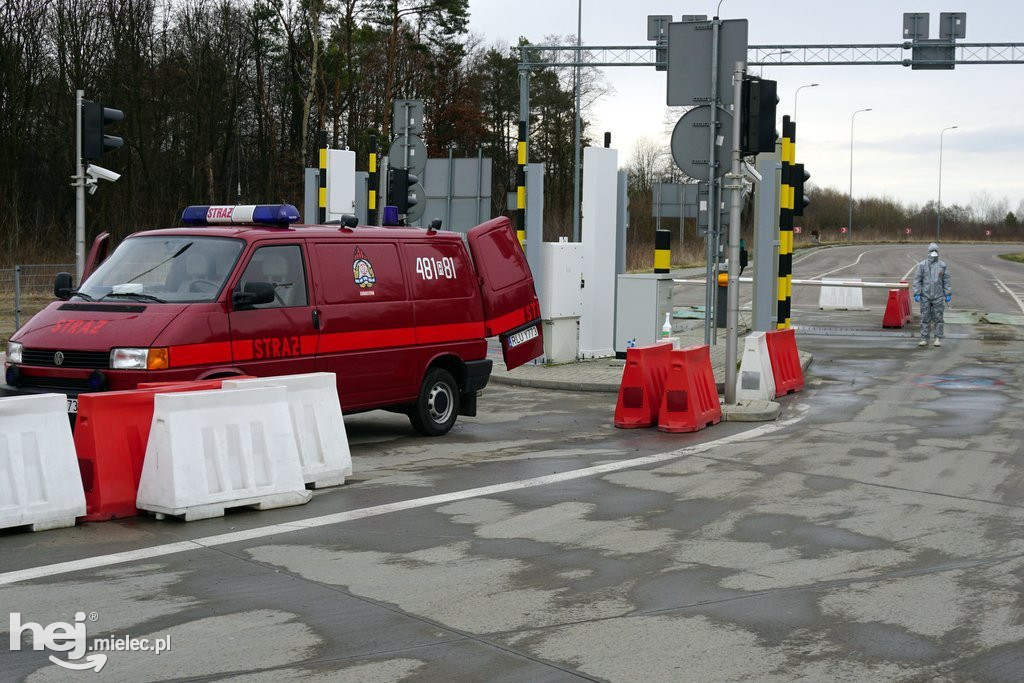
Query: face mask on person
x=933 y=255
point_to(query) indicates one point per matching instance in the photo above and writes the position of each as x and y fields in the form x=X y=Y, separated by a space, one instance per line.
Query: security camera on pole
x=91 y=143
x=407 y=159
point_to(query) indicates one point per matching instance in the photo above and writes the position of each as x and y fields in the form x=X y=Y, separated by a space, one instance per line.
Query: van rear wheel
x=438 y=404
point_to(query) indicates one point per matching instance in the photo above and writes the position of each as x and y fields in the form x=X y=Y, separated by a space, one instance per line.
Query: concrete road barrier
x=318 y=424
x=40 y=485
x=213 y=450
x=755 y=381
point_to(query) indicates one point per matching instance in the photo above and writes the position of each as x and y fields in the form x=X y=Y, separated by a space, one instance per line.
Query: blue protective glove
x=949 y=297
x=917 y=298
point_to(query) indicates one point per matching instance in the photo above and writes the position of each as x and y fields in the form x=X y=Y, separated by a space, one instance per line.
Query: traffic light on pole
x=757 y=115
x=401 y=193
x=95 y=118
x=799 y=176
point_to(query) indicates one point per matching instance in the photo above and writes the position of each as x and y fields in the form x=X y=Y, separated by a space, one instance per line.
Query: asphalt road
x=871 y=533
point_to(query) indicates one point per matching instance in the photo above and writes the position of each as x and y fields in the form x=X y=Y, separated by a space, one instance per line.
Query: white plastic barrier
x=841 y=298
x=318 y=423
x=40 y=484
x=212 y=450
x=755 y=381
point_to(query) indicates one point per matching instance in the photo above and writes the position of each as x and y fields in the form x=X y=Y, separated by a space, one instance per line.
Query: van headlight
x=14 y=351
x=138 y=359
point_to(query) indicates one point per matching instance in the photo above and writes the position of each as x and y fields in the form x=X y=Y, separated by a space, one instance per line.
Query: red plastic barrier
x=897 y=309
x=643 y=383
x=690 y=401
x=785 y=361
x=908 y=310
x=111 y=432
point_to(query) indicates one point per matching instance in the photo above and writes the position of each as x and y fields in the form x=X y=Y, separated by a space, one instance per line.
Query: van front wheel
x=438 y=404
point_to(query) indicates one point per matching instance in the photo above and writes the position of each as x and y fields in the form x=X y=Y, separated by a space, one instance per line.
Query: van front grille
x=47 y=358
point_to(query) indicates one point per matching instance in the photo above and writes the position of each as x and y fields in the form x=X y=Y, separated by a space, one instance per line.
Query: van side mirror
x=62 y=286
x=253 y=294
x=349 y=220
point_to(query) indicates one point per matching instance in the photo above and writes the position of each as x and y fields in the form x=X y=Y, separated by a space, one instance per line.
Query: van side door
x=278 y=337
x=511 y=308
x=368 y=335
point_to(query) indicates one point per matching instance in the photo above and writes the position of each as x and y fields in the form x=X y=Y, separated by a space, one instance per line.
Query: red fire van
x=401 y=315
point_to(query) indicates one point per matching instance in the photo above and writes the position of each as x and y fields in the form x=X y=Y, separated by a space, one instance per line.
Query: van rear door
x=511 y=309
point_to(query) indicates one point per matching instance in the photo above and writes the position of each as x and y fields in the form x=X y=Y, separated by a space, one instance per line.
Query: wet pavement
x=872 y=532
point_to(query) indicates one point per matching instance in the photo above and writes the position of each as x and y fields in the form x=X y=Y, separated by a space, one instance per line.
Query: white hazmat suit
x=931 y=287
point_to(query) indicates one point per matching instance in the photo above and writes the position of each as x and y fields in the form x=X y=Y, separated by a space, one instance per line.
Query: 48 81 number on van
x=436 y=268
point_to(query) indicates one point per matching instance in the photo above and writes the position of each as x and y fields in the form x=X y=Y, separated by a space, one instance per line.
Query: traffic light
x=401 y=191
x=757 y=115
x=94 y=119
x=799 y=176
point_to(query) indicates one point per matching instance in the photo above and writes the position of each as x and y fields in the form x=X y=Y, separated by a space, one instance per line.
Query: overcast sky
x=896 y=146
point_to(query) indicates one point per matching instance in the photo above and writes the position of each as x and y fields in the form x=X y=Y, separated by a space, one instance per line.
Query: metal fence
x=29 y=284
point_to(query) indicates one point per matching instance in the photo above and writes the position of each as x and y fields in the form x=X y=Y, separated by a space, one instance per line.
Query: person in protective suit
x=932 y=290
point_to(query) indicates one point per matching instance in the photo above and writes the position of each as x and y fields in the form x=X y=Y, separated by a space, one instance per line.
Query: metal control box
x=561 y=282
x=641 y=302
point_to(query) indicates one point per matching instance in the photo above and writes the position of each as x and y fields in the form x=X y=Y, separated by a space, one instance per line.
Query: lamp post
x=938 y=212
x=769 y=54
x=849 y=221
x=576 y=136
x=809 y=85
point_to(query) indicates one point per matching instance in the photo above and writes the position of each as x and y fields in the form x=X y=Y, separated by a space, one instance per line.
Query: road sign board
x=843 y=230
x=906 y=231
x=952 y=25
x=915 y=26
x=691 y=140
x=417 y=158
x=689 y=60
x=988 y=233
x=797 y=229
x=407 y=114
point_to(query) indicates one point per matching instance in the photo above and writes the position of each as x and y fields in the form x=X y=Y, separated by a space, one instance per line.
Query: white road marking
x=1013 y=295
x=848 y=265
x=97 y=561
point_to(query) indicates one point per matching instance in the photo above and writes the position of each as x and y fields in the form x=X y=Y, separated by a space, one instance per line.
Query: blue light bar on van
x=263 y=214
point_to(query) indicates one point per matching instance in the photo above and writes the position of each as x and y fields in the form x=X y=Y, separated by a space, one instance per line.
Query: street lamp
x=809 y=85
x=849 y=222
x=938 y=212
x=769 y=54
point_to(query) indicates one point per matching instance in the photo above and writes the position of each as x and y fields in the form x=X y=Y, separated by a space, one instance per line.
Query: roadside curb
x=751 y=411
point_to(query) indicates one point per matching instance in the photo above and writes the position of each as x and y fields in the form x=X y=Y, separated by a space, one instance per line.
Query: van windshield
x=164 y=269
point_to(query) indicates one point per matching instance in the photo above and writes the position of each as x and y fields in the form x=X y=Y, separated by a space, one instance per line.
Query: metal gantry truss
x=539 y=56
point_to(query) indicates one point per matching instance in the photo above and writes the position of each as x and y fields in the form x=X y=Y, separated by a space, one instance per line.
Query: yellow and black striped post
x=373 y=183
x=786 y=194
x=521 y=185
x=662 y=251
x=321 y=214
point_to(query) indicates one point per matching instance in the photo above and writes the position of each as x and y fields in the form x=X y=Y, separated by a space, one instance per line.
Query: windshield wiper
x=175 y=255
x=137 y=295
x=85 y=296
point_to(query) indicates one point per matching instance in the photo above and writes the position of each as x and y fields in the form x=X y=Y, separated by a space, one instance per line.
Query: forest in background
x=224 y=99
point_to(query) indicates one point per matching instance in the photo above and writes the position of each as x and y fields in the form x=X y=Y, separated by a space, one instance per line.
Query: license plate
x=521 y=337
x=72 y=405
